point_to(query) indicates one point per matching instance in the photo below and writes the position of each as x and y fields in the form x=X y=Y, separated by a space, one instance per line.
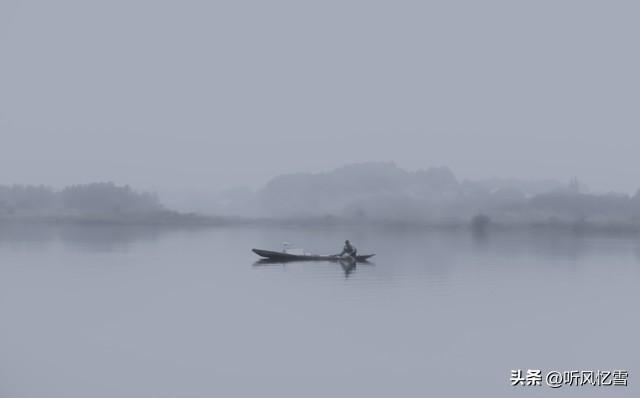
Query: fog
x=485 y=151
x=372 y=193
x=194 y=97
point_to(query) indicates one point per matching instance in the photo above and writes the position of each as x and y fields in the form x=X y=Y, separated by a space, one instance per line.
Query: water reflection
x=412 y=245
x=348 y=266
x=85 y=237
x=187 y=308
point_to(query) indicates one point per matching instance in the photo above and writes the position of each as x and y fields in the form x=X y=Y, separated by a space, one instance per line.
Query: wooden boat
x=282 y=256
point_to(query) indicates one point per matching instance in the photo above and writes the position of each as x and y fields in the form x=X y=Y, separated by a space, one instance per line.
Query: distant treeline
x=369 y=193
x=102 y=202
x=382 y=193
x=93 y=198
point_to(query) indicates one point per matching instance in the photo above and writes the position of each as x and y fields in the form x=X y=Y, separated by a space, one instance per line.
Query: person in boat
x=348 y=249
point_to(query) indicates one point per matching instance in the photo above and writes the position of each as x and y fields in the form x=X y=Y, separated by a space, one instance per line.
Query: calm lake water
x=110 y=312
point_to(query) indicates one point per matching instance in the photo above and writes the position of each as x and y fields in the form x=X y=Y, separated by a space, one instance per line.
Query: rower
x=348 y=249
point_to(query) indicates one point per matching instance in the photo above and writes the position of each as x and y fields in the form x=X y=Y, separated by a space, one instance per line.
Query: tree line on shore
x=361 y=193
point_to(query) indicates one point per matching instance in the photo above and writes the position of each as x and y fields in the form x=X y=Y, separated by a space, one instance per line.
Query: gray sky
x=214 y=94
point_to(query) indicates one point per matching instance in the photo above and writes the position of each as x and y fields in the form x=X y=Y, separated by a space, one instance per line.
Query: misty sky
x=216 y=94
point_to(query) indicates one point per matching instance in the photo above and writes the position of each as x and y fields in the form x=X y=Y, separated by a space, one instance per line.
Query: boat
x=283 y=256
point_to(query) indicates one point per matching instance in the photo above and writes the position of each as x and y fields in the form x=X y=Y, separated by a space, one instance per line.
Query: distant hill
x=384 y=192
x=339 y=191
x=375 y=192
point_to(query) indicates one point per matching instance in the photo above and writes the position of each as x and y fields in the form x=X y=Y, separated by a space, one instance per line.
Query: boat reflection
x=348 y=265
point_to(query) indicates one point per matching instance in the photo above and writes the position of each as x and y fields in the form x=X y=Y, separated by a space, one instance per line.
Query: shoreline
x=170 y=219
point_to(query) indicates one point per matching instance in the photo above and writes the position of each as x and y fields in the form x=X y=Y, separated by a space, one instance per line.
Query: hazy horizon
x=147 y=146
x=194 y=96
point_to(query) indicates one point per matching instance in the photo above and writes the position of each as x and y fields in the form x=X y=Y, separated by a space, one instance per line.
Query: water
x=134 y=312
